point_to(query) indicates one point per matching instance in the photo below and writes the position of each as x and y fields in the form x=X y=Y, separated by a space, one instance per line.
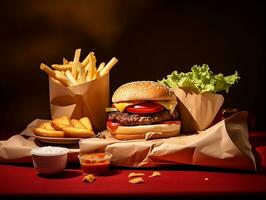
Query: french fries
x=63 y=67
x=72 y=73
x=55 y=74
x=70 y=77
x=65 y=127
x=108 y=66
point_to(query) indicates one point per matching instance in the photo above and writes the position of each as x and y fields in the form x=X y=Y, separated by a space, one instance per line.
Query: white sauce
x=49 y=151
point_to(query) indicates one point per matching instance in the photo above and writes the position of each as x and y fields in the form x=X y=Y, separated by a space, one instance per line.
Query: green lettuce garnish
x=201 y=79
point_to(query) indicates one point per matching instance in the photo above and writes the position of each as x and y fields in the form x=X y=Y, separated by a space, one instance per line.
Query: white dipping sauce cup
x=49 y=160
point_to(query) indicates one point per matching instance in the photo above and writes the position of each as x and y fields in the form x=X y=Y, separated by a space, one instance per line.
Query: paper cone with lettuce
x=198 y=95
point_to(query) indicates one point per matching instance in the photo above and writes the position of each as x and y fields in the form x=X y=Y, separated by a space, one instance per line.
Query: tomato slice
x=145 y=108
x=112 y=125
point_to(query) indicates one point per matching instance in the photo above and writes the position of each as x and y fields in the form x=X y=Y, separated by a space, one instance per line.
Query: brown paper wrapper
x=197 y=111
x=88 y=99
x=223 y=145
x=16 y=149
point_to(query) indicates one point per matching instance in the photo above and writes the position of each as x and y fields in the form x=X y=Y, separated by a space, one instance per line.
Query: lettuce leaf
x=201 y=79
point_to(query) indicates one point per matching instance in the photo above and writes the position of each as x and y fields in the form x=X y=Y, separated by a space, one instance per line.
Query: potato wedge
x=77 y=132
x=60 y=122
x=48 y=133
x=77 y=124
x=85 y=121
x=46 y=125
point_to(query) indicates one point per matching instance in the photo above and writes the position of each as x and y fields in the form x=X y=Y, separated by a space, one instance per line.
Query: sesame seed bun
x=143 y=90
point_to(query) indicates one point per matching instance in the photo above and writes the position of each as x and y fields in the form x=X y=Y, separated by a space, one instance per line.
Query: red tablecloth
x=179 y=181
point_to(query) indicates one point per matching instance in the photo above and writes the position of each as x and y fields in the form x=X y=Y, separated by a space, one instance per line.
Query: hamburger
x=143 y=109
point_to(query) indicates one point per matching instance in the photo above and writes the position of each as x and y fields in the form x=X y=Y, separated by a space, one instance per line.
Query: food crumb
x=136 y=180
x=89 y=178
x=133 y=174
x=155 y=173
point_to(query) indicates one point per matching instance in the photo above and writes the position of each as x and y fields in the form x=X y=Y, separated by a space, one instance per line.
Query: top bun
x=143 y=90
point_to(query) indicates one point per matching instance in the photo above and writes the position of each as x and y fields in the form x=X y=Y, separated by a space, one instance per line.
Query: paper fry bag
x=85 y=100
x=197 y=111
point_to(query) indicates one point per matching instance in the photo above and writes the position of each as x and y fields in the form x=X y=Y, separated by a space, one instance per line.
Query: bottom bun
x=146 y=131
x=143 y=136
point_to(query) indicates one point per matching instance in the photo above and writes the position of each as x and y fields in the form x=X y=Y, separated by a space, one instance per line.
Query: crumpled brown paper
x=88 y=99
x=223 y=145
x=16 y=149
x=197 y=111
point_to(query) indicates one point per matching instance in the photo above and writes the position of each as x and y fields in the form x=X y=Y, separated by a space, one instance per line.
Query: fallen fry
x=108 y=66
x=136 y=180
x=90 y=178
x=132 y=174
x=155 y=173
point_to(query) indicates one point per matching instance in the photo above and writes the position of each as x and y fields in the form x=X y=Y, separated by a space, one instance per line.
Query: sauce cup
x=95 y=163
x=49 y=160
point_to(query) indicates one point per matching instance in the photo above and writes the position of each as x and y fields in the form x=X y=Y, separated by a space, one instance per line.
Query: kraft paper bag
x=85 y=100
x=197 y=111
x=223 y=145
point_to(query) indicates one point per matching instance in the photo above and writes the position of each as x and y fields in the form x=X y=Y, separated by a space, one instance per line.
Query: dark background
x=150 y=39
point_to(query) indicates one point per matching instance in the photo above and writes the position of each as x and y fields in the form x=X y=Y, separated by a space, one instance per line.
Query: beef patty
x=127 y=119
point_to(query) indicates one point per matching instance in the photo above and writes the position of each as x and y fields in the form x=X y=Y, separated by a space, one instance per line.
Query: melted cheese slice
x=168 y=105
x=122 y=105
